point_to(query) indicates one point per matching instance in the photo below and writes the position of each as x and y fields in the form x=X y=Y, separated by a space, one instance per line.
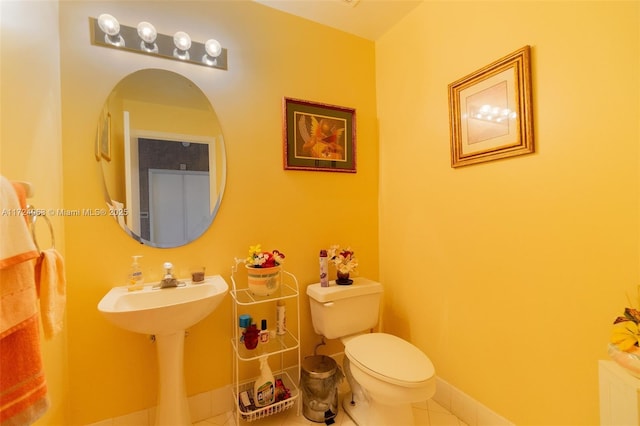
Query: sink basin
x=163 y=311
x=166 y=313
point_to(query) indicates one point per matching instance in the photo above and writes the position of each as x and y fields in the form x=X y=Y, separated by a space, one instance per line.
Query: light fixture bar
x=128 y=39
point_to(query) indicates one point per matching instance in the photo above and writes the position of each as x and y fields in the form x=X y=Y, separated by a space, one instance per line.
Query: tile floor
x=429 y=413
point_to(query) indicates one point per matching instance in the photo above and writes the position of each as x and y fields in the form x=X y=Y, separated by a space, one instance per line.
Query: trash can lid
x=319 y=366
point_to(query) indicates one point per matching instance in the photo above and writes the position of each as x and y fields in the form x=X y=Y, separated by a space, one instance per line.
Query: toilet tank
x=342 y=310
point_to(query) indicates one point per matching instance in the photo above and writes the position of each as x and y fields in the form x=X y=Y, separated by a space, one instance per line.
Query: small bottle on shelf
x=264 y=333
x=244 y=321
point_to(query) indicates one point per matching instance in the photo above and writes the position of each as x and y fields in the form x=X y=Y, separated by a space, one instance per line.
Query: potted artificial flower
x=624 y=347
x=345 y=262
x=263 y=270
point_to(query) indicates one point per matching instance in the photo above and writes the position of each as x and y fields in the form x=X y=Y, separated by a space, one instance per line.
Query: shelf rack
x=280 y=345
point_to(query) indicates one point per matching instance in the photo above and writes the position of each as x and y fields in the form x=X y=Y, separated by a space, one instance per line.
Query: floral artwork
x=318 y=137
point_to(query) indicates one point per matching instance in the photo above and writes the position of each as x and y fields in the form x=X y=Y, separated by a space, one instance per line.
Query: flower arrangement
x=624 y=346
x=626 y=334
x=263 y=259
x=344 y=259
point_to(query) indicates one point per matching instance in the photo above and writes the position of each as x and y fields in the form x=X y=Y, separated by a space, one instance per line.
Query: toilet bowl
x=392 y=374
x=386 y=374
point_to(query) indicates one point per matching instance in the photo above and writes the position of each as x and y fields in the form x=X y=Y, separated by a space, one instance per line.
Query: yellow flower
x=625 y=335
x=263 y=259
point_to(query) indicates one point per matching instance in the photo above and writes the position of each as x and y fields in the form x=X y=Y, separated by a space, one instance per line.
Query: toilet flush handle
x=328 y=304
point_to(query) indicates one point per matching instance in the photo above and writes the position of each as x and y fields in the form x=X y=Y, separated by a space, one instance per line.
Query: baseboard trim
x=202 y=406
x=467 y=409
x=220 y=401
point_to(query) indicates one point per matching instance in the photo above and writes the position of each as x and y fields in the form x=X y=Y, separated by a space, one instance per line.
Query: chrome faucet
x=169 y=280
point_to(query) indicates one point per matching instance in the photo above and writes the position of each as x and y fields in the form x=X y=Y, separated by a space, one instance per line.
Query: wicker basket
x=276 y=407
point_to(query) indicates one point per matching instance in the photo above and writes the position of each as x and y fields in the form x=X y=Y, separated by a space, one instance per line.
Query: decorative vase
x=630 y=361
x=343 y=278
x=263 y=281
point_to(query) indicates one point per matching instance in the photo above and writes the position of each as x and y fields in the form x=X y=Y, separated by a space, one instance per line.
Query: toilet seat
x=390 y=358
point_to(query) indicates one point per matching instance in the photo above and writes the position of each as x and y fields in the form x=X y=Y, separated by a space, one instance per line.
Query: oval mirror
x=163 y=158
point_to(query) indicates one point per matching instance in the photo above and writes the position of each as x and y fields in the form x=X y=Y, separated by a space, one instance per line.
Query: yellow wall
x=271 y=55
x=30 y=144
x=509 y=274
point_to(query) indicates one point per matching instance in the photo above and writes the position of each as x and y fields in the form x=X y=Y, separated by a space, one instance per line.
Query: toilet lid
x=390 y=358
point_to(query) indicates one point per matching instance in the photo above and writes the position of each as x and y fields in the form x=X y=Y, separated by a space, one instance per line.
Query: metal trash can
x=319 y=380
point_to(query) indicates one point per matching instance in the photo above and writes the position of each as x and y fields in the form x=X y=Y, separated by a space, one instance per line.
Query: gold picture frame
x=491 y=113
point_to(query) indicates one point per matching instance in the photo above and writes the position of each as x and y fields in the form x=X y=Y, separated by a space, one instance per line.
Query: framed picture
x=319 y=136
x=490 y=111
x=96 y=144
x=105 y=138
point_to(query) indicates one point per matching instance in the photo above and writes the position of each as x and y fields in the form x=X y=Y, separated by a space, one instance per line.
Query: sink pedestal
x=173 y=409
x=166 y=313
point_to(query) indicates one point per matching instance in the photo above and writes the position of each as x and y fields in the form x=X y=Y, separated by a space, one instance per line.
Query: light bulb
x=147 y=32
x=108 y=24
x=213 y=48
x=182 y=40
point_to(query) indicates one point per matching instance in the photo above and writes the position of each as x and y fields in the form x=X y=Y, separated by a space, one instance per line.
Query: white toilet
x=386 y=373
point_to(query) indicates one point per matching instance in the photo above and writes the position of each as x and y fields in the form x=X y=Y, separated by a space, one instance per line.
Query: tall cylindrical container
x=319 y=380
x=324 y=269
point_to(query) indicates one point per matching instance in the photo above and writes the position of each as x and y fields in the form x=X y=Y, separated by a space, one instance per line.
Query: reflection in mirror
x=163 y=158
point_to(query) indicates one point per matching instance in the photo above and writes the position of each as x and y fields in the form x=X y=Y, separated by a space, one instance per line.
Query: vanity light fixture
x=111 y=29
x=148 y=34
x=182 y=41
x=213 y=49
x=106 y=31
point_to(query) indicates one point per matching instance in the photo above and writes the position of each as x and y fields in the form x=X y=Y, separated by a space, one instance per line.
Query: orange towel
x=17 y=286
x=23 y=391
x=18 y=297
x=23 y=388
x=51 y=283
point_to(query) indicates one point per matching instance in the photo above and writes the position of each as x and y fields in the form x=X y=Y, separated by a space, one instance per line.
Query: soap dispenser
x=136 y=279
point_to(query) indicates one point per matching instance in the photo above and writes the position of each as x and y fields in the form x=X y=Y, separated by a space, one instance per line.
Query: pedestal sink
x=166 y=313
